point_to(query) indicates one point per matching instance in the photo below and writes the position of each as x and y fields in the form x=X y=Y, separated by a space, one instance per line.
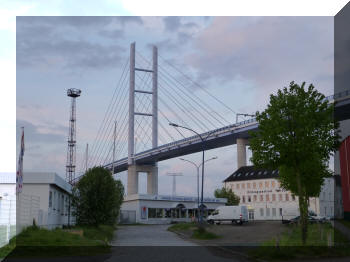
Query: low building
x=160 y=209
x=44 y=198
x=53 y=192
x=261 y=191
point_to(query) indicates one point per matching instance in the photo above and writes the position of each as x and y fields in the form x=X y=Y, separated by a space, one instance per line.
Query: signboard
x=143 y=212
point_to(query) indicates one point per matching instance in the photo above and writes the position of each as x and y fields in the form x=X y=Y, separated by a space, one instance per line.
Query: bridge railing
x=338 y=95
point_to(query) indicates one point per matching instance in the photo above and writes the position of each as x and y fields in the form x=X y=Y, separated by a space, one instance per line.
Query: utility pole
x=174 y=175
x=114 y=138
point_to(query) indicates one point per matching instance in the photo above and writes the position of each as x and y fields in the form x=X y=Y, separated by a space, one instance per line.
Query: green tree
x=232 y=199
x=296 y=135
x=97 y=198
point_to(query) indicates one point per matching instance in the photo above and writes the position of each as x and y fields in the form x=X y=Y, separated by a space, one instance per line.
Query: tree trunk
x=303 y=209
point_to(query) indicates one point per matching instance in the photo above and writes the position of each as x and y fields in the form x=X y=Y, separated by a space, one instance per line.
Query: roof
x=46 y=178
x=250 y=173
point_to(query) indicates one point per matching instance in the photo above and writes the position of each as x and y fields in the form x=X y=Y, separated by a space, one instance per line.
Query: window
x=152 y=213
x=325 y=211
x=267 y=212
x=243 y=199
x=62 y=205
x=54 y=200
x=265 y=173
x=66 y=210
x=280 y=211
x=237 y=186
x=249 y=199
x=246 y=174
x=254 y=198
x=261 y=198
x=280 y=198
x=330 y=197
x=260 y=172
x=260 y=185
x=267 y=197
x=254 y=185
x=293 y=197
x=261 y=212
x=266 y=184
x=273 y=197
x=248 y=185
x=243 y=186
x=58 y=202
x=272 y=183
x=324 y=195
x=287 y=197
x=252 y=173
x=273 y=212
x=50 y=199
x=159 y=212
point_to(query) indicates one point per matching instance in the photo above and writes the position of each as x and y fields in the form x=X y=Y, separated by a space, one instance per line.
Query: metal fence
x=16 y=214
x=127 y=217
x=7 y=220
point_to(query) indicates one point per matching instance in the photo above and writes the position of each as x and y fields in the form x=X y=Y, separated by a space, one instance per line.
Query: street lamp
x=203 y=149
x=197 y=167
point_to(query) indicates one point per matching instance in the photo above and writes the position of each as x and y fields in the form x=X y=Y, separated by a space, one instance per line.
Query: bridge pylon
x=133 y=168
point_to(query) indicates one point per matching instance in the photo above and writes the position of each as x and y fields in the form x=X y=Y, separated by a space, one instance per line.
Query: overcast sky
x=242 y=60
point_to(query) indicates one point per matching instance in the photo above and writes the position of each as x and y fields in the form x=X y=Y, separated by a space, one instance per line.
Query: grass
x=322 y=241
x=34 y=241
x=192 y=230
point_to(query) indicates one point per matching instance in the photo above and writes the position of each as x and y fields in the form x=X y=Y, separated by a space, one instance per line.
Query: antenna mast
x=70 y=166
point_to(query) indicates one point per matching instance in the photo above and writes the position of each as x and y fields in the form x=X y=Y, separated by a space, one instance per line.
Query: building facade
x=261 y=191
x=159 y=209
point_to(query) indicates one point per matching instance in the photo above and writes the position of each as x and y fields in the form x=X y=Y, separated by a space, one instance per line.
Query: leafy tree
x=296 y=135
x=232 y=199
x=97 y=198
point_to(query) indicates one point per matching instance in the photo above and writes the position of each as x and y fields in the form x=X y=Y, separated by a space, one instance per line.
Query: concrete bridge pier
x=133 y=178
x=241 y=152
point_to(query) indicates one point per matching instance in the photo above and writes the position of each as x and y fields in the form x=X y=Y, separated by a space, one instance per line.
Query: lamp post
x=203 y=149
x=197 y=167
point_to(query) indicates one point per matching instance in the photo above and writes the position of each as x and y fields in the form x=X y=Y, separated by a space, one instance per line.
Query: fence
x=7 y=220
x=127 y=217
x=16 y=214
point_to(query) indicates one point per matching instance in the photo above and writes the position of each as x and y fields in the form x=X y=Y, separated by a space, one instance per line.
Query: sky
x=239 y=59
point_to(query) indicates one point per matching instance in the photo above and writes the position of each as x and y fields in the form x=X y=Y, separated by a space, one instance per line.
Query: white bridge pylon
x=133 y=168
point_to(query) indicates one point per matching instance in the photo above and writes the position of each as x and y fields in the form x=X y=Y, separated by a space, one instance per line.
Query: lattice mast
x=70 y=166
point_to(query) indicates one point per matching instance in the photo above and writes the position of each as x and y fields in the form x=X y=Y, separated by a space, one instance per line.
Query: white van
x=233 y=214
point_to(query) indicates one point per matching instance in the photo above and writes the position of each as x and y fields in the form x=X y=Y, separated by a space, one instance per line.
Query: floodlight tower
x=70 y=166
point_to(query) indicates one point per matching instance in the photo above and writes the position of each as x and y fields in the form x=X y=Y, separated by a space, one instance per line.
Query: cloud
x=172 y=23
x=269 y=51
x=78 y=42
x=34 y=135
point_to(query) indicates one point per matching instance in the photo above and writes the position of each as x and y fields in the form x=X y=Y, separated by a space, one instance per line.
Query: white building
x=159 y=209
x=53 y=192
x=44 y=198
x=260 y=190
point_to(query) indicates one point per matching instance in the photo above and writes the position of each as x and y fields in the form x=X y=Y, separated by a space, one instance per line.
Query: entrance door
x=251 y=214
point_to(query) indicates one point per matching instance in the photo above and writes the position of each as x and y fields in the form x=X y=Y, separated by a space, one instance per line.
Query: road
x=154 y=243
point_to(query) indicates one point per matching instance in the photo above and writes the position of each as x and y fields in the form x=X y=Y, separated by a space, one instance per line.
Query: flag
x=19 y=175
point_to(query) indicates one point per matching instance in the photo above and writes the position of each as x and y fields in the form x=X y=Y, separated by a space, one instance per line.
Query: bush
x=97 y=198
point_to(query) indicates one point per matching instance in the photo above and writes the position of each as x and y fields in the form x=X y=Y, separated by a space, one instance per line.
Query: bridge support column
x=241 y=152
x=133 y=178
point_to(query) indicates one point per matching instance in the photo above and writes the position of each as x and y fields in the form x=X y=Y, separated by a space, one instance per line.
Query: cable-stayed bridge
x=149 y=96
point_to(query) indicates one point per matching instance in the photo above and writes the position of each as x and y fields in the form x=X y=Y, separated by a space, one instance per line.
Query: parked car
x=233 y=214
x=294 y=215
x=311 y=219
